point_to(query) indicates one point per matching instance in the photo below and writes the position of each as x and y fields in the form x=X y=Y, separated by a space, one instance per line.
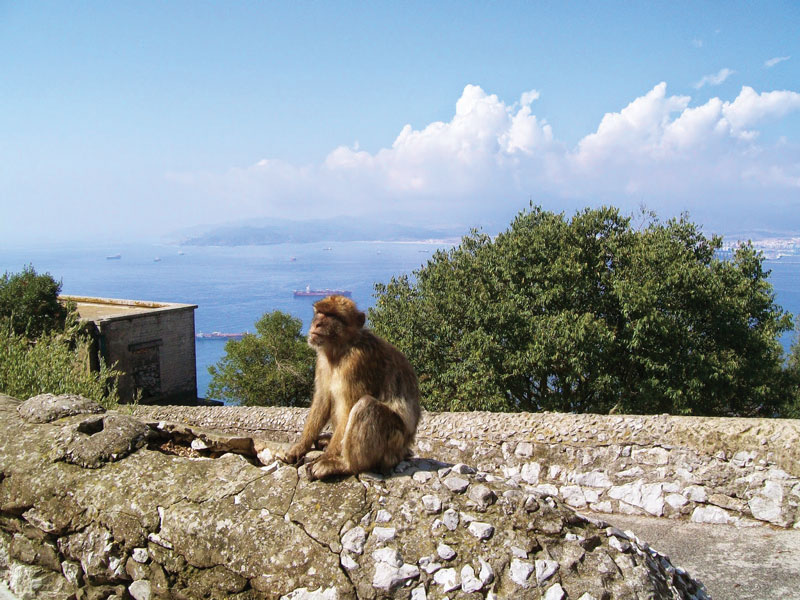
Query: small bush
x=56 y=363
x=29 y=303
x=274 y=367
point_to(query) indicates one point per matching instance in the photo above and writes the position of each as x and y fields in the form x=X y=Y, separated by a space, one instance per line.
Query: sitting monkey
x=365 y=387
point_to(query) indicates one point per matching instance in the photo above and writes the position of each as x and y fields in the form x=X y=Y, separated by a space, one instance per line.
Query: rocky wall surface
x=708 y=470
x=100 y=505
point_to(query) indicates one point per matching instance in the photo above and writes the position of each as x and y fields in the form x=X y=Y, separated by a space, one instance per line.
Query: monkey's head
x=336 y=321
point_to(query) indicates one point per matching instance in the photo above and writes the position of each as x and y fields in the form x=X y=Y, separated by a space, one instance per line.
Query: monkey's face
x=326 y=328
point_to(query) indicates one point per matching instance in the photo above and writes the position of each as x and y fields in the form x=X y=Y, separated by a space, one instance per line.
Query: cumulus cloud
x=774 y=61
x=659 y=149
x=715 y=79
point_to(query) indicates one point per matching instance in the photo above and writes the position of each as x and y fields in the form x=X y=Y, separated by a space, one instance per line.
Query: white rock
x=672 y=487
x=429 y=565
x=524 y=450
x=518 y=552
x=545 y=569
x=520 y=572
x=530 y=472
x=630 y=492
x=450 y=519
x=431 y=503
x=676 y=500
x=422 y=476
x=554 y=471
x=765 y=508
x=388 y=577
x=347 y=561
x=587 y=596
x=546 y=489
x=597 y=479
x=456 y=484
x=481 y=495
x=632 y=472
x=383 y=516
x=448 y=579
x=653 y=499
x=140 y=590
x=354 y=540
x=486 y=574
x=555 y=592
x=140 y=555
x=463 y=469
x=419 y=593
x=573 y=496
x=629 y=509
x=482 y=531
x=591 y=495
x=388 y=555
x=384 y=534
x=743 y=459
x=619 y=544
x=696 y=493
x=470 y=583
x=710 y=514
x=445 y=552
x=604 y=506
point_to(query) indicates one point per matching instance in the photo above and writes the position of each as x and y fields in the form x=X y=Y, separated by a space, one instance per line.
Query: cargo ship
x=216 y=335
x=326 y=292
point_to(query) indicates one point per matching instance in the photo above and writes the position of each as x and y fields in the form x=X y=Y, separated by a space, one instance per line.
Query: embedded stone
x=545 y=569
x=354 y=540
x=524 y=450
x=481 y=495
x=482 y=531
x=389 y=556
x=448 y=579
x=445 y=552
x=456 y=484
x=530 y=472
x=388 y=578
x=470 y=583
x=710 y=514
x=450 y=519
x=521 y=572
x=384 y=534
x=431 y=503
x=555 y=592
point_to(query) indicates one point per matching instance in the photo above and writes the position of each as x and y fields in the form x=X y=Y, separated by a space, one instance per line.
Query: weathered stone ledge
x=716 y=470
x=100 y=506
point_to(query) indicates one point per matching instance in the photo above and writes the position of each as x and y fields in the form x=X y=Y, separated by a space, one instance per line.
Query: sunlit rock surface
x=152 y=515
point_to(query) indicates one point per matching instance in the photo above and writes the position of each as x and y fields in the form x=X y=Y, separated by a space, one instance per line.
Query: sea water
x=233 y=286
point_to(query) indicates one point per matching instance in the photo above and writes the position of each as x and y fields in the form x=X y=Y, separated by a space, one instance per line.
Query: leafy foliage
x=29 y=303
x=58 y=363
x=273 y=367
x=43 y=347
x=590 y=315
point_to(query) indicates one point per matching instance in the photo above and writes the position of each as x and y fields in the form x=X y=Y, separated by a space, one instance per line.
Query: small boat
x=324 y=292
x=114 y=257
x=218 y=335
x=157 y=259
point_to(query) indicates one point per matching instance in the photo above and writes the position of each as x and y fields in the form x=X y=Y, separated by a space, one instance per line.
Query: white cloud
x=715 y=79
x=659 y=149
x=697 y=43
x=774 y=61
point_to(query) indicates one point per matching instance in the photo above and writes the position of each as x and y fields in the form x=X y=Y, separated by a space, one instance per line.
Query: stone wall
x=108 y=506
x=717 y=470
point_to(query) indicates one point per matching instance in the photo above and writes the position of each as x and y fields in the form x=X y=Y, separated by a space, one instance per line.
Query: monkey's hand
x=294 y=454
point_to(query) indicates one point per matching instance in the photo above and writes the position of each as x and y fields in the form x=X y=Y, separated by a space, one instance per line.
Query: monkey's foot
x=294 y=455
x=326 y=466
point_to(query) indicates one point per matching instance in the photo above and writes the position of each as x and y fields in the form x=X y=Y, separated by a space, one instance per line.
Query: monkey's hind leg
x=375 y=437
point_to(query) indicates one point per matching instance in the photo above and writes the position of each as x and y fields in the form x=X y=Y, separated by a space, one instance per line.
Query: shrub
x=590 y=314
x=273 y=367
x=29 y=303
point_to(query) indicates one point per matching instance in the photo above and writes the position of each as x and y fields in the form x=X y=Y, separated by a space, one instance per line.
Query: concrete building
x=152 y=343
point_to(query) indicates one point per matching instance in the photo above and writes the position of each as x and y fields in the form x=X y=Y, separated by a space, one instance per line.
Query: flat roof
x=106 y=309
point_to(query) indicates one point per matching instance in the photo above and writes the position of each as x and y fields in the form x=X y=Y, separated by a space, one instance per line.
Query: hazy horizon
x=125 y=122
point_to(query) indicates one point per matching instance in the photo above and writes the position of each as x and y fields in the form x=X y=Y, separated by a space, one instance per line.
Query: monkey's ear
x=361 y=318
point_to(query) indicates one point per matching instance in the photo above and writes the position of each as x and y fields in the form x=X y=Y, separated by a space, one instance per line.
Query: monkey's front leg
x=317 y=418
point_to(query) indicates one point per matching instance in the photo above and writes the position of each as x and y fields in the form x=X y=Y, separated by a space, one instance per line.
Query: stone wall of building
x=718 y=470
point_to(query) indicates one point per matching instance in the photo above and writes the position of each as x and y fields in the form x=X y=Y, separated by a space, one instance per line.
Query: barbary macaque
x=364 y=387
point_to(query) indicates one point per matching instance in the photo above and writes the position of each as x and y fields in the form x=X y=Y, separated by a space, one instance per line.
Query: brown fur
x=364 y=387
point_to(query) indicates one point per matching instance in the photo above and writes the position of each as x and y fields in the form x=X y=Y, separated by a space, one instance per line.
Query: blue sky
x=142 y=118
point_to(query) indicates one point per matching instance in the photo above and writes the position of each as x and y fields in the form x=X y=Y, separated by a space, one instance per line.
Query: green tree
x=273 y=367
x=589 y=314
x=29 y=303
x=791 y=408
